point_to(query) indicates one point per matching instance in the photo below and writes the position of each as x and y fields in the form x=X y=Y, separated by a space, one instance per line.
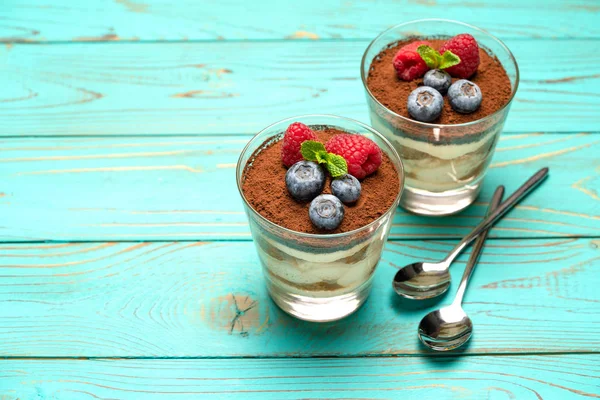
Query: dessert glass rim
x=364 y=60
x=399 y=166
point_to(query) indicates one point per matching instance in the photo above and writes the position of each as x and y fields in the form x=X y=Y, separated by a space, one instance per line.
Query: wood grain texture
x=238 y=87
x=134 y=20
x=184 y=188
x=530 y=377
x=207 y=299
x=227 y=69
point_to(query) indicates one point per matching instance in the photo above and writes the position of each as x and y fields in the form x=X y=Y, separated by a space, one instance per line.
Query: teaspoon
x=424 y=280
x=450 y=327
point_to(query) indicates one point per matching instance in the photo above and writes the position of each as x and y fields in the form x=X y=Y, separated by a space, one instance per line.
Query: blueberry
x=326 y=212
x=425 y=104
x=305 y=180
x=346 y=188
x=438 y=79
x=465 y=96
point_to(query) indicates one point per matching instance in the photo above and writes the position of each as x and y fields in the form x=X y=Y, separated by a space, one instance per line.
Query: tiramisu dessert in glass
x=440 y=92
x=320 y=193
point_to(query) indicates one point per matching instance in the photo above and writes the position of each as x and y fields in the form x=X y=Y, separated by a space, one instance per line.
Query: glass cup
x=444 y=164
x=318 y=277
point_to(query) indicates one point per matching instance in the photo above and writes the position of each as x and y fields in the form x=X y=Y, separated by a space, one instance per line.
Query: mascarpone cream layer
x=302 y=268
x=441 y=167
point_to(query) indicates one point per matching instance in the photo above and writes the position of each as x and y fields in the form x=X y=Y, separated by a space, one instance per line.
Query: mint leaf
x=431 y=57
x=449 y=59
x=321 y=157
x=310 y=150
x=336 y=165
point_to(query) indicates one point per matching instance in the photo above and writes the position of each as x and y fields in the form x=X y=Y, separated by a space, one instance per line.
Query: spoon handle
x=477 y=247
x=499 y=212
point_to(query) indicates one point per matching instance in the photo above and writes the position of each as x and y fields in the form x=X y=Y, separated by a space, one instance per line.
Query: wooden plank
x=207 y=299
x=530 y=377
x=238 y=87
x=63 y=20
x=184 y=188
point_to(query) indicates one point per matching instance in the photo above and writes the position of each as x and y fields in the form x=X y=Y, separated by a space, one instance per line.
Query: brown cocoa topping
x=393 y=92
x=265 y=190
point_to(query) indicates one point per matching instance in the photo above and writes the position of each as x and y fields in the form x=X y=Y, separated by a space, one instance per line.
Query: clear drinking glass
x=318 y=277
x=444 y=164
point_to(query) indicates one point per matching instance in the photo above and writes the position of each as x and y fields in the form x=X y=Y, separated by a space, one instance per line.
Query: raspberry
x=464 y=46
x=362 y=155
x=294 y=135
x=408 y=63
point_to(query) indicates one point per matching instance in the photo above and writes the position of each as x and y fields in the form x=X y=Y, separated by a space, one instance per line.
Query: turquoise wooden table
x=126 y=266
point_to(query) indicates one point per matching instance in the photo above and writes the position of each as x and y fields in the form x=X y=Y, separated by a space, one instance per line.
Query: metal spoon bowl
x=423 y=280
x=445 y=329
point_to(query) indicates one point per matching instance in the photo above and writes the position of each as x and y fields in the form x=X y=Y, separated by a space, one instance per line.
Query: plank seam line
x=167 y=240
x=276 y=357
x=27 y=42
x=236 y=134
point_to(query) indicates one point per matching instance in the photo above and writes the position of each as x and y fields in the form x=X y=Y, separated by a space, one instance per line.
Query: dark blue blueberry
x=305 y=180
x=465 y=96
x=425 y=104
x=438 y=79
x=346 y=188
x=326 y=212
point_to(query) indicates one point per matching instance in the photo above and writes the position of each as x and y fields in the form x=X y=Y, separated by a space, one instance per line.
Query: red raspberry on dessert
x=466 y=48
x=294 y=135
x=362 y=155
x=408 y=63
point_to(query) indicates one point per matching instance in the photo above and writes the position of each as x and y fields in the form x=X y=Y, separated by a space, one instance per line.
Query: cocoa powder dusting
x=264 y=188
x=393 y=92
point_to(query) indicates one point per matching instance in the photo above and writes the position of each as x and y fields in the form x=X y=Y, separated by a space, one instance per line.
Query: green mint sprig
x=435 y=60
x=315 y=151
